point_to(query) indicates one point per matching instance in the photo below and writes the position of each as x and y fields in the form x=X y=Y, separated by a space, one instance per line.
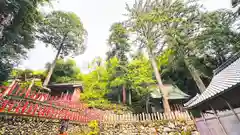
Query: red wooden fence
x=17 y=101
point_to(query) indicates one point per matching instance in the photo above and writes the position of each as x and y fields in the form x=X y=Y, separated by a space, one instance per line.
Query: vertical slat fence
x=146 y=117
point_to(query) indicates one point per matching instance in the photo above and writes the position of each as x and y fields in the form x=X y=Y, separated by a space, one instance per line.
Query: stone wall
x=32 y=126
x=178 y=127
x=35 y=126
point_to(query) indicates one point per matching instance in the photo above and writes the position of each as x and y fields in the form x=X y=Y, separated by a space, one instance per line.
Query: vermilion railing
x=17 y=101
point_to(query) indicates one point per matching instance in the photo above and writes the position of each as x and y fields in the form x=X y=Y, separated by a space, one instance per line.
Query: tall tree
x=119 y=47
x=199 y=36
x=182 y=36
x=118 y=42
x=147 y=28
x=64 y=32
x=177 y=24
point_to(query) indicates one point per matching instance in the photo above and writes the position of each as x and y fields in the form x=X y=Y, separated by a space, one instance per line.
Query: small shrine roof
x=174 y=93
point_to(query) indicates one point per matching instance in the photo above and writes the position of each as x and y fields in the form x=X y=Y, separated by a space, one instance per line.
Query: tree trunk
x=196 y=76
x=193 y=72
x=147 y=104
x=129 y=97
x=119 y=96
x=124 y=94
x=160 y=85
x=47 y=79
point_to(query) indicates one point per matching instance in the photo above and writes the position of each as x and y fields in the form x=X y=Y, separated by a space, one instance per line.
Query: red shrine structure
x=61 y=101
x=72 y=90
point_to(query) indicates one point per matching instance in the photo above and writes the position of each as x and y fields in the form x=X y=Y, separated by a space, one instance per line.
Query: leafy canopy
x=63 y=28
x=65 y=71
x=18 y=33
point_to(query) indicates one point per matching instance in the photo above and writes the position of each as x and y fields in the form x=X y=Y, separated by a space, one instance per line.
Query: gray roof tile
x=221 y=82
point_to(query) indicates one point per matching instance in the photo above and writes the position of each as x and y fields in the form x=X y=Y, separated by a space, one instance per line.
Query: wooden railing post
x=143 y=116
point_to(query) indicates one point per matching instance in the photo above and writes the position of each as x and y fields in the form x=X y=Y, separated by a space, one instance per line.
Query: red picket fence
x=17 y=101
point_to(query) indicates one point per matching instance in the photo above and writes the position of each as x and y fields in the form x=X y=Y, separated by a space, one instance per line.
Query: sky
x=97 y=17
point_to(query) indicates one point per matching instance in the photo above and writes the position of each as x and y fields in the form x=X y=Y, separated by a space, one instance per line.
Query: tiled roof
x=191 y=100
x=224 y=80
x=65 y=84
x=174 y=93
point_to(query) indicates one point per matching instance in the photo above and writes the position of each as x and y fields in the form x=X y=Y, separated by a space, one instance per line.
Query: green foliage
x=116 y=72
x=93 y=125
x=137 y=77
x=64 y=32
x=189 y=33
x=95 y=86
x=118 y=43
x=119 y=48
x=63 y=28
x=186 y=133
x=26 y=76
x=65 y=71
x=218 y=35
x=140 y=75
x=18 y=32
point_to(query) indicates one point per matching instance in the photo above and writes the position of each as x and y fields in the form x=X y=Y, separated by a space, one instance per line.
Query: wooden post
x=161 y=116
x=140 y=117
x=158 y=117
x=143 y=116
x=164 y=116
x=149 y=116
x=155 y=116
x=219 y=121
x=124 y=94
x=120 y=118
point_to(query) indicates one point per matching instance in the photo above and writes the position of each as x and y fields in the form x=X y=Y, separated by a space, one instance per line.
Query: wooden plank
x=143 y=117
x=158 y=116
x=173 y=115
x=161 y=116
x=152 y=116
x=155 y=116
